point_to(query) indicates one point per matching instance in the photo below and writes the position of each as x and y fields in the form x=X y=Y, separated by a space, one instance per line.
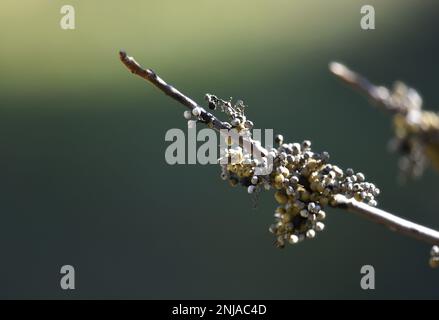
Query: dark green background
x=83 y=177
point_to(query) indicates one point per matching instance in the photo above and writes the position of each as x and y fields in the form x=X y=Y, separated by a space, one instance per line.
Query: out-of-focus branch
x=416 y=130
x=378 y=94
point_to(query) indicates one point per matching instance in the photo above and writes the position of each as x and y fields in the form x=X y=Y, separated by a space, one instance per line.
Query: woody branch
x=391 y=221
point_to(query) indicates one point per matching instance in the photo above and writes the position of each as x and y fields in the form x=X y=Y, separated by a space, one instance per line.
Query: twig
x=378 y=94
x=393 y=222
x=207 y=117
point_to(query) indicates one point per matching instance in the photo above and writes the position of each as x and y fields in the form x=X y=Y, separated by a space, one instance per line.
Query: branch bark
x=376 y=215
x=149 y=75
x=391 y=221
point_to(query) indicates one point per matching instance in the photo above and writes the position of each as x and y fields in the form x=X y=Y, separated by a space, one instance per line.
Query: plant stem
x=392 y=221
x=378 y=94
x=149 y=75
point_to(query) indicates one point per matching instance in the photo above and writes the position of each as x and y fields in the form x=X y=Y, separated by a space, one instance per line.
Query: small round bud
x=279 y=178
x=187 y=115
x=290 y=158
x=434 y=251
x=307 y=155
x=284 y=171
x=255 y=180
x=306 y=144
x=251 y=189
x=296 y=148
x=360 y=177
x=310 y=233
x=294 y=180
x=324 y=156
x=196 y=111
x=320 y=226
x=293 y=239
x=373 y=203
x=311 y=206
x=279 y=139
x=282 y=156
x=304 y=213
x=321 y=215
x=338 y=172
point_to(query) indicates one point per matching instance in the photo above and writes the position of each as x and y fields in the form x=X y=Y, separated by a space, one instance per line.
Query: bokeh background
x=83 y=175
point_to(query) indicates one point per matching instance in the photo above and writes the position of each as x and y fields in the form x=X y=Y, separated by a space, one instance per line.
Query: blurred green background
x=83 y=175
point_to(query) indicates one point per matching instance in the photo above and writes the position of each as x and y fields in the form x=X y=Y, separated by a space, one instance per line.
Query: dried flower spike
x=416 y=130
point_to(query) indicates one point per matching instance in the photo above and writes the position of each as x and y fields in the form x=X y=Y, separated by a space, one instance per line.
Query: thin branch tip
x=335 y=67
x=208 y=118
x=343 y=73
